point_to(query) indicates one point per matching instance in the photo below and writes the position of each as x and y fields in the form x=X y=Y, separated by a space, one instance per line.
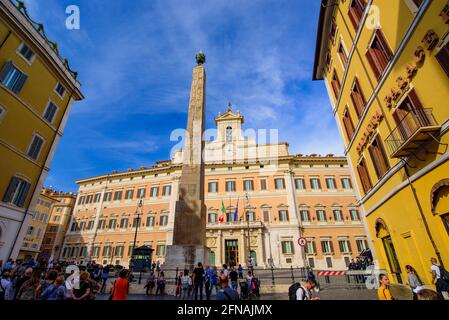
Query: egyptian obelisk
x=189 y=233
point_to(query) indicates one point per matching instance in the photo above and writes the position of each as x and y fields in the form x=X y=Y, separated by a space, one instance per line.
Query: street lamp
x=139 y=205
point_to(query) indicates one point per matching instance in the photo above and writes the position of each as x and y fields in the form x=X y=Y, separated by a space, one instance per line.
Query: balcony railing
x=413 y=130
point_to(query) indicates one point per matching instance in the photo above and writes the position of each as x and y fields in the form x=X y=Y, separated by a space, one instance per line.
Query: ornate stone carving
x=419 y=56
x=374 y=123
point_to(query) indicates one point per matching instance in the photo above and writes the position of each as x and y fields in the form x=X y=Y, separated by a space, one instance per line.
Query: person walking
x=186 y=283
x=160 y=284
x=28 y=290
x=198 y=281
x=439 y=278
x=414 y=281
x=120 y=289
x=6 y=287
x=149 y=286
x=104 y=278
x=384 y=289
x=234 y=277
x=240 y=271
x=304 y=292
x=21 y=280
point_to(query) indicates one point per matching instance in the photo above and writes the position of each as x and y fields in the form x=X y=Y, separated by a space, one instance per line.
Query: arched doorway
x=439 y=199
x=383 y=234
x=254 y=258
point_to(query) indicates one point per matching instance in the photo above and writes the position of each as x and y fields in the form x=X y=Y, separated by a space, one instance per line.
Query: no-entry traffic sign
x=302 y=242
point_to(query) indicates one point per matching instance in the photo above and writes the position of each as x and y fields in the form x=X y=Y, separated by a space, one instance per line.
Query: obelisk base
x=185 y=257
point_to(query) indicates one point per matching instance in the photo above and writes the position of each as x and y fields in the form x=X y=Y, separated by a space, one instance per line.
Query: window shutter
x=6 y=69
x=11 y=189
x=24 y=194
x=443 y=58
x=332 y=246
x=19 y=83
x=349 y=246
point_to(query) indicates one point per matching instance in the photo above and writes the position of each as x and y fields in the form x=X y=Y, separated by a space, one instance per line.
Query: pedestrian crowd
x=32 y=280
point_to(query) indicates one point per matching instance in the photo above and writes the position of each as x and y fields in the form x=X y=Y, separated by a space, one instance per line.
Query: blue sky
x=135 y=61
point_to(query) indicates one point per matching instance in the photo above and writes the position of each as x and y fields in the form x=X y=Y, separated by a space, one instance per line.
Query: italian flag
x=223 y=212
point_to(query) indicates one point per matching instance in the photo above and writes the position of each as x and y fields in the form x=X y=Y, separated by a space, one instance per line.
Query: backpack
x=444 y=274
x=293 y=289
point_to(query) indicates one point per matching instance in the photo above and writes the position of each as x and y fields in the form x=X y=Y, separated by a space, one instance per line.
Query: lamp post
x=248 y=230
x=139 y=205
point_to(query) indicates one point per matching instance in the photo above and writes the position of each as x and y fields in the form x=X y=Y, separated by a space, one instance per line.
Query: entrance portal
x=232 y=252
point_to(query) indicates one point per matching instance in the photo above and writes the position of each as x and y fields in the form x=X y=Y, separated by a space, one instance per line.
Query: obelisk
x=189 y=233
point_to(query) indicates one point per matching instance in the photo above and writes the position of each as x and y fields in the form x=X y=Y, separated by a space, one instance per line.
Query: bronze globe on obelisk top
x=189 y=226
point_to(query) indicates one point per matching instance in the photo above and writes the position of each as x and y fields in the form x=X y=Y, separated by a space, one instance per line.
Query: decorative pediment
x=229 y=116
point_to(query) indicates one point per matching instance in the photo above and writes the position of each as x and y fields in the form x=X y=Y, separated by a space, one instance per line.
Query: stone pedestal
x=185 y=257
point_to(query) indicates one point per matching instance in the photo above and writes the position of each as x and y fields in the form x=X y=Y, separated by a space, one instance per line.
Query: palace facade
x=270 y=199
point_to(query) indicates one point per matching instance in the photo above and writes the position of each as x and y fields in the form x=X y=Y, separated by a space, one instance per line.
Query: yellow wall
x=401 y=212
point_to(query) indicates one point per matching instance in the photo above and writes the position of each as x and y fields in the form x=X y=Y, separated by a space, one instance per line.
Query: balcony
x=414 y=129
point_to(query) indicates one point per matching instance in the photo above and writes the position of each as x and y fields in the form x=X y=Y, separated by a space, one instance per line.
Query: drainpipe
x=421 y=212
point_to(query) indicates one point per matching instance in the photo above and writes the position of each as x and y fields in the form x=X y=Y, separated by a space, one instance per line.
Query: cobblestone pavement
x=330 y=294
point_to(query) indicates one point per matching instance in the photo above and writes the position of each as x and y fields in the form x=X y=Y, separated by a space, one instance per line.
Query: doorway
x=392 y=258
x=232 y=252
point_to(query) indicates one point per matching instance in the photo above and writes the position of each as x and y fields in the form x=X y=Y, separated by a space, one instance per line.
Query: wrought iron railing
x=412 y=122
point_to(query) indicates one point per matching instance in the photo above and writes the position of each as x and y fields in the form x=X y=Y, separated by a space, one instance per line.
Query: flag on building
x=236 y=213
x=223 y=212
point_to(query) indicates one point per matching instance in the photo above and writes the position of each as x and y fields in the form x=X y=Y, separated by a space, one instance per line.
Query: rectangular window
x=26 y=52
x=312 y=263
x=83 y=252
x=305 y=216
x=345 y=246
x=154 y=192
x=364 y=176
x=329 y=262
x=160 y=250
x=310 y=247
x=321 y=215
x=333 y=31
x=300 y=184
x=166 y=191
x=35 y=147
x=101 y=224
x=348 y=124
x=250 y=216
x=315 y=184
x=107 y=251
x=95 y=251
x=335 y=82
x=287 y=247
x=355 y=215
x=358 y=98
x=263 y=184
x=361 y=245
x=248 y=185
x=266 y=216
x=50 y=112
x=141 y=193
x=280 y=183
x=89 y=199
x=124 y=223
x=112 y=223
x=346 y=183
x=342 y=54
x=338 y=215
x=12 y=78
x=73 y=227
x=379 y=157
x=82 y=225
x=56 y=218
x=118 y=195
x=283 y=216
x=107 y=197
x=212 y=217
x=17 y=192
x=163 y=221
x=97 y=197
x=330 y=183
x=60 y=90
x=90 y=225
x=443 y=58
x=230 y=186
x=379 y=54
x=213 y=187
x=150 y=221
x=327 y=247
x=356 y=10
x=129 y=194
x=119 y=251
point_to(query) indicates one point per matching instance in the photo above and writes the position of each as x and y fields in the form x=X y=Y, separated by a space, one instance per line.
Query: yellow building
x=36 y=228
x=37 y=92
x=386 y=68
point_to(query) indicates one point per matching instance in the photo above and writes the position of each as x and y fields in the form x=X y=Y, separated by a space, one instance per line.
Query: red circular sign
x=302 y=242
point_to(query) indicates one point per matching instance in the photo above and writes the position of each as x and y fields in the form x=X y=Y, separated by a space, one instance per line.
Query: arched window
x=229 y=134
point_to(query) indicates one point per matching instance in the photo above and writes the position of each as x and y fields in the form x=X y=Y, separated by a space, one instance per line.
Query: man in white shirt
x=441 y=285
x=304 y=292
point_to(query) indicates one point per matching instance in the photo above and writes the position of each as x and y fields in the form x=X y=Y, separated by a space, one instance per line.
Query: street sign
x=302 y=242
